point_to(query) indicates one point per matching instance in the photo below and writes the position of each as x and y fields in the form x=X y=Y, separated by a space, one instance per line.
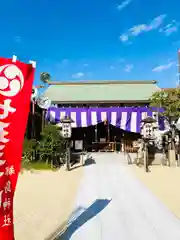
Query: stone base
x=172 y=157
x=157 y=159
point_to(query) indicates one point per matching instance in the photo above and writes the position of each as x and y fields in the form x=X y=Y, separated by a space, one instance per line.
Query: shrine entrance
x=103 y=137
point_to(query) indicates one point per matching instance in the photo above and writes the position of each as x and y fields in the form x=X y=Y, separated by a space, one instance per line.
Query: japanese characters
x=16 y=79
x=11 y=83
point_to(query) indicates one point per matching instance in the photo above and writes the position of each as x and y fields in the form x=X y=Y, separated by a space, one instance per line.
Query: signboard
x=34 y=94
x=148 y=130
x=66 y=130
x=79 y=145
x=178 y=124
x=71 y=143
x=135 y=144
x=103 y=140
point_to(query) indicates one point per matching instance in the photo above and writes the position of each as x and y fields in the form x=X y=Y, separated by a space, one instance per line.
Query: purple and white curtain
x=126 y=118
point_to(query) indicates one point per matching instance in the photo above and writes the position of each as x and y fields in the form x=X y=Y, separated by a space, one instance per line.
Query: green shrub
x=51 y=149
x=52 y=146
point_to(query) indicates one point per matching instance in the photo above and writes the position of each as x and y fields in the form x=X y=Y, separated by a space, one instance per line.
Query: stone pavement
x=112 y=204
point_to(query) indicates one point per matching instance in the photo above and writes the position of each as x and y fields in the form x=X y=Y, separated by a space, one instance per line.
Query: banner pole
x=14 y=58
x=33 y=106
x=33 y=63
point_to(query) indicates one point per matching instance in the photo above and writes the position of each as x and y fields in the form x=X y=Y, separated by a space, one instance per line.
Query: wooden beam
x=135 y=102
x=95 y=82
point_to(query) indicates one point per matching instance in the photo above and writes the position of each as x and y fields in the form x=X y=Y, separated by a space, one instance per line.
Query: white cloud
x=112 y=67
x=65 y=61
x=156 y=22
x=17 y=39
x=124 y=37
x=78 y=75
x=136 y=30
x=123 y=4
x=128 y=67
x=176 y=43
x=63 y=64
x=121 y=60
x=161 y=68
x=86 y=65
x=89 y=74
x=144 y=27
x=170 y=28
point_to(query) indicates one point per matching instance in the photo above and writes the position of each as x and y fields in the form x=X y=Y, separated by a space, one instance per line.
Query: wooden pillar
x=108 y=131
x=146 y=157
x=43 y=120
x=96 y=133
x=84 y=142
x=96 y=138
x=33 y=120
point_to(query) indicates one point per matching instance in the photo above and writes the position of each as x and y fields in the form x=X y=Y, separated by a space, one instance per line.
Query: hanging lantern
x=34 y=94
x=45 y=77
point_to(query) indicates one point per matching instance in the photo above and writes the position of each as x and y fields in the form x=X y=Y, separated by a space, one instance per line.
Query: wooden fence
x=128 y=146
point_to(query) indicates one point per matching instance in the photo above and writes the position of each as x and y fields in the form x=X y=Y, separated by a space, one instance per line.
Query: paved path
x=112 y=204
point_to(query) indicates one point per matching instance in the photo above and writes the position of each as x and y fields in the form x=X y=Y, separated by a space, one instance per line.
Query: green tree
x=169 y=100
x=52 y=146
x=28 y=149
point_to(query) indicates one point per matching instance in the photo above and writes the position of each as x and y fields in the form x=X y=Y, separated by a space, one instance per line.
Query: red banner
x=15 y=91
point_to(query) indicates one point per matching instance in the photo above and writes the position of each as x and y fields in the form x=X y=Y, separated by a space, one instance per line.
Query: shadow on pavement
x=87 y=214
x=88 y=161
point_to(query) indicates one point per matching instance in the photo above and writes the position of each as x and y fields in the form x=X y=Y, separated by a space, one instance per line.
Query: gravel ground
x=43 y=202
x=164 y=183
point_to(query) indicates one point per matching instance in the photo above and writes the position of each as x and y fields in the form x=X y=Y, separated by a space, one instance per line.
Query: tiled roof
x=101 y=91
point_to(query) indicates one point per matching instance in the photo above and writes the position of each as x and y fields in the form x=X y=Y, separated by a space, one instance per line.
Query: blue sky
x=94 y=40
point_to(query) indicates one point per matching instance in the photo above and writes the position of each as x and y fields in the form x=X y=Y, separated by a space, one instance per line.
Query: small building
x=106 y=114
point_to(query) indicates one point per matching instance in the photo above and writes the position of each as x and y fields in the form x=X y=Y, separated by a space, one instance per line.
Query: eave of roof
x=101 y=91
x=102 y=102
x=106 y=82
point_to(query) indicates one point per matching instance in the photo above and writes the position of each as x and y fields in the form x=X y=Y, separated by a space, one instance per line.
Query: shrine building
x=104 y=113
